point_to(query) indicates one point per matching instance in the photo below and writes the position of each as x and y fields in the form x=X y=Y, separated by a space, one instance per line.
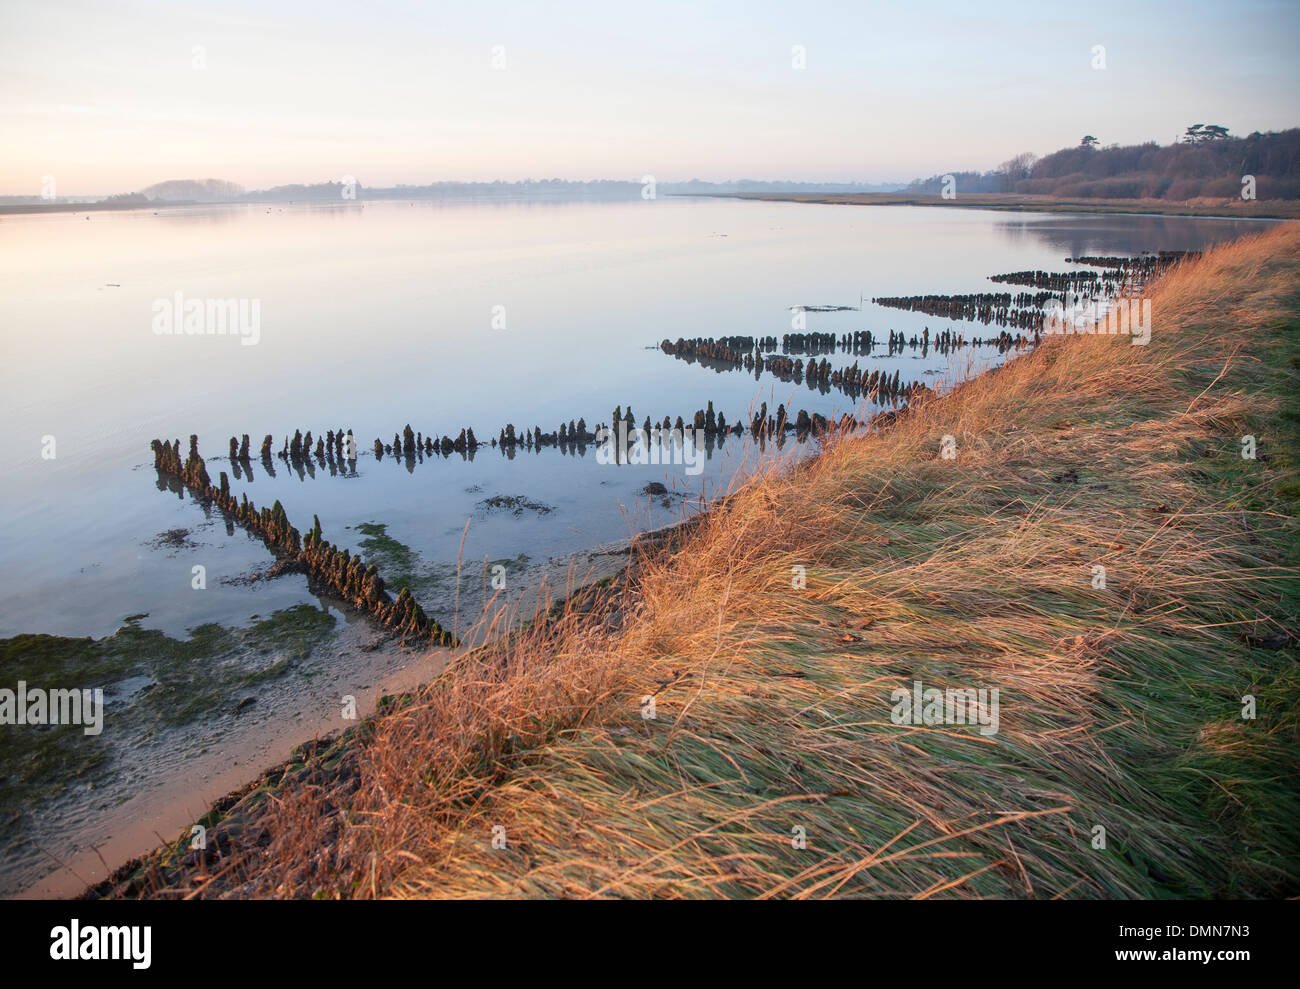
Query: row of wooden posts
x=344 y=575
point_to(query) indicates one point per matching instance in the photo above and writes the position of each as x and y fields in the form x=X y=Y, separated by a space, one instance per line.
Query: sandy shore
x=161 y=789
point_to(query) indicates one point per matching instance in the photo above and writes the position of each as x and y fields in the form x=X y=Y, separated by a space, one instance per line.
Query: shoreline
x=1270 y=209
x=788 y=504
x=267 y=746
x=1121 y=702
x=1275 y=209
x=587 y=589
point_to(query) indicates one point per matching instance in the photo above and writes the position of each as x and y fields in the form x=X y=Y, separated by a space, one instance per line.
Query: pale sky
x=113 y=96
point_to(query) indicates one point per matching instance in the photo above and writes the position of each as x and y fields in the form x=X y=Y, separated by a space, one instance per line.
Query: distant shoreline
x=18 y=209
x=1275 y=209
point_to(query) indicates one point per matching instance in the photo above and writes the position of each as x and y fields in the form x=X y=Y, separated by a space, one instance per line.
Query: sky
x=108 y=96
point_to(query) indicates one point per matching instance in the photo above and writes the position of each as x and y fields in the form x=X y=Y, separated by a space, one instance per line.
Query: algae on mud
x=396 y=559
x=171 y=682
x=407 y=569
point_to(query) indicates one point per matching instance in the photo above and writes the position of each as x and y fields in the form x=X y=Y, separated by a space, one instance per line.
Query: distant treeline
x=612 y=189
x=177 y=191
x=347 y=189
x=1205 y=164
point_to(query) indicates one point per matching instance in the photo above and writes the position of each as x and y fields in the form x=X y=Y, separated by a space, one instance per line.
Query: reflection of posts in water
x=685 y=447
x=168 y=482
x=709 y=428
x=267 y=465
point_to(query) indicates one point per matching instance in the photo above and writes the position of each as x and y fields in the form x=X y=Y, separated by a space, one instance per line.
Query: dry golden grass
x=1119 y=708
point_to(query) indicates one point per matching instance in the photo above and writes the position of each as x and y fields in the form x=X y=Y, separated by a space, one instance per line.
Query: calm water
x=378 y=315
x=372 y=317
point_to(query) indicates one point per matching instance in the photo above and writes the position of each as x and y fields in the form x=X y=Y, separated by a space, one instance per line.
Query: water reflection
x=1079 y=235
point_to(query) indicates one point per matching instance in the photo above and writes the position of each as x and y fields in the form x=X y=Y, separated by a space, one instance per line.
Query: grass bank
x=1272 y=209
x=772 y=767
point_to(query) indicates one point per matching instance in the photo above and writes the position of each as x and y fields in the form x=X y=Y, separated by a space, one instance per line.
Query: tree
x=1205 y=133
x=1088 y=141
x=1017 y=168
